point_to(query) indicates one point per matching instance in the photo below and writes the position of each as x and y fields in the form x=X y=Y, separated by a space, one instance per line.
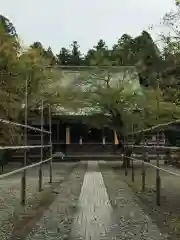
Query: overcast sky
x=58 y=22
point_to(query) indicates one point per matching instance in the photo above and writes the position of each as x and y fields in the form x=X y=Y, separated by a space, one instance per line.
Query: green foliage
x=16 y=66
x=7 y=26
x=170 y=71
x=9 y=81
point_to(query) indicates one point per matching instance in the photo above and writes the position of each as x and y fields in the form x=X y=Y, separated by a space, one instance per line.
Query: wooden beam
x=116 y=141
x=80 y=140
x=67 y=135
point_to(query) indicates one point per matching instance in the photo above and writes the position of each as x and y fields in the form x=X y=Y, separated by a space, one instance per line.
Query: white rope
x=154 y=166
x=22 y=125
x=86 y=66
x=24 y=168
x=23 y=147
x=155 y=147
x=158 y=126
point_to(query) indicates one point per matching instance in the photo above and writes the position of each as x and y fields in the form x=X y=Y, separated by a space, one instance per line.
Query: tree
x=177 y=2
x=99 y=55
x=111 y=97
x=8 y=27
x=39 y=47
x=50 y=56
x=101 y=45
x=75 y=56
x=9 y=82
x=16 y=66
x=89 y=56
x=147 y=59
x=171 y=56
x=123 y=52
x=106 y=97
x=63 y=57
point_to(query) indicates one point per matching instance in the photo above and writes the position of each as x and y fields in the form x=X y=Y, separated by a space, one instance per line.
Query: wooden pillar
x=103 y=137
x=67 y=135
x=115 y=138
x=80 y=140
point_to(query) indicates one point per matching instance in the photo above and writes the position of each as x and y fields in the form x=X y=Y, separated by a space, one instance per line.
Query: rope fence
x=158 y=169
x=24 y=126
x=23 y=147
x=154 y=128
x=146 y=177
x=154 y=147
x=2 y=176
x=25 y=167
x=154 y=166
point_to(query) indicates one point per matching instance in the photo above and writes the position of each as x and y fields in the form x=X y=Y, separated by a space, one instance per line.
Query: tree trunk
x=128 y=152
x=126 y=162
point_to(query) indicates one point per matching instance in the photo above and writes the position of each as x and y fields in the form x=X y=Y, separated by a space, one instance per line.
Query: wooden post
x=143 y=176
x=42 y=150
x=132 y=162
x=116 y=142
x=51 y=146
x=125 y=159
x=143 y=168
x=67 y=135
x=24 y=174
x=158 y=179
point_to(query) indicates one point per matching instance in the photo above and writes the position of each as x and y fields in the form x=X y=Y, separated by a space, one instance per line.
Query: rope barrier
x=153 y=147
x=22 y=125
x=156 y=127
x=23 y=147
x=24 y=168
x=154 y=166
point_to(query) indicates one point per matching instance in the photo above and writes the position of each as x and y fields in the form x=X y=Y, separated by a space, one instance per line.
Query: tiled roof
x=126 y=76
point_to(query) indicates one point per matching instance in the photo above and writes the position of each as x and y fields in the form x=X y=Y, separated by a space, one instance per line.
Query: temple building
x=71 y=131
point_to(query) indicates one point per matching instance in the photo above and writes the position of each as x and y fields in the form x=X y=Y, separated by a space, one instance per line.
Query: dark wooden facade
x=71 y=135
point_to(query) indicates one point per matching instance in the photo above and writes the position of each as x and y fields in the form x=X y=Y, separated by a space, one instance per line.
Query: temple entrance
x=76 y=137
x=75 y=132
x=94 y=135
x=81 y=133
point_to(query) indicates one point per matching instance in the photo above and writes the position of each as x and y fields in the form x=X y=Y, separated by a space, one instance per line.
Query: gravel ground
x=167 y=216
x=132 y=221
x=57 y=220
x=130 y=217
x=10 y=208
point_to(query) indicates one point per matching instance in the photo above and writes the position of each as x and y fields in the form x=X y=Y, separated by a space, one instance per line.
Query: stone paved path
x=95 y=210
